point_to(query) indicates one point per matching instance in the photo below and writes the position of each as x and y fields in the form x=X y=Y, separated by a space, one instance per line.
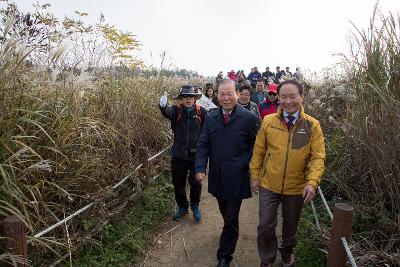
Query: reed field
x=358 y=105
x=69 y=131
x=75 y=107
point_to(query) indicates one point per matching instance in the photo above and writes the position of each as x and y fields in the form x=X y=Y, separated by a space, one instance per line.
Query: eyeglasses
x=272 y=93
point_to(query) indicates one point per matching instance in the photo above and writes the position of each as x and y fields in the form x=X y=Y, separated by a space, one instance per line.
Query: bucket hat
x=188 y=90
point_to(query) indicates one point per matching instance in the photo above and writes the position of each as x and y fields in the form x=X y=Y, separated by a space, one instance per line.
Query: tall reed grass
x=360 y=113
x=68 y=134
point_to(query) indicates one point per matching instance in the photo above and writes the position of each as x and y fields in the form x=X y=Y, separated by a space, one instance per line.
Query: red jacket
x=266 y=107
x=232 y=76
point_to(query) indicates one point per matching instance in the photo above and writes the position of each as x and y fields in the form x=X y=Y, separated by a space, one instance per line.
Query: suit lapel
x=237 y=113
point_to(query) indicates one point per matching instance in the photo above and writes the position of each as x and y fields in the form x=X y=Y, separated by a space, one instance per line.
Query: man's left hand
x=308 y=193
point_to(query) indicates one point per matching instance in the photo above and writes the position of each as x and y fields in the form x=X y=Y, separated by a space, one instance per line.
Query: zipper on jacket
x=287 y=152
x=286 y=159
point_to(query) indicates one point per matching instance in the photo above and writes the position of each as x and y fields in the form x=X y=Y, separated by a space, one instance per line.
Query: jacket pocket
x=274 y=171
x=301 y=138
x=264 y=169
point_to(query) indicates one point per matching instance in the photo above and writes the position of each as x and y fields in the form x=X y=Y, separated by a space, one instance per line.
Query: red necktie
x=227 y=116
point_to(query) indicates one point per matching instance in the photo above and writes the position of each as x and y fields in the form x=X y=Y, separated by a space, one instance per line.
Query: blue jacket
x=253 y=77
x=229 y=148
x=254 y=97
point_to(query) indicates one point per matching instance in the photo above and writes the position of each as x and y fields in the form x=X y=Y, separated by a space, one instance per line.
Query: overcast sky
x=208 y=35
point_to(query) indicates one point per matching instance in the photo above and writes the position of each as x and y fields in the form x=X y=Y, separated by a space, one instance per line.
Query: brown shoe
x=289 y=260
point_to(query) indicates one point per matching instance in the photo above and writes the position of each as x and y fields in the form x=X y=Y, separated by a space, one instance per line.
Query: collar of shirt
x=245 y=105
x=190 y=108
x=295 y=115
x=224 y=112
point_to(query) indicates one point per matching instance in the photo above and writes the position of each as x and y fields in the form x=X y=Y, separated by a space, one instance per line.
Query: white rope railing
x=56 y=263
x=315 y=215
x=348 y=252
x=138 y=167
x=76 y=213
x=158 y=154
x=325 y=203
x=328 y=210
x=126 y=177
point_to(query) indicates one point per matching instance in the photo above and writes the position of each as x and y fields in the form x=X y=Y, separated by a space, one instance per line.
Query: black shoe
x=289 y=260
x=223 y=263
x=262 y=264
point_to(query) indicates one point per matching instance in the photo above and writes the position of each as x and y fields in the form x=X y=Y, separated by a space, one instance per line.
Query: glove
x=164 y=100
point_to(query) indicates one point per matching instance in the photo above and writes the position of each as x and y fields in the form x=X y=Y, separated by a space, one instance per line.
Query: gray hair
x=227 y=81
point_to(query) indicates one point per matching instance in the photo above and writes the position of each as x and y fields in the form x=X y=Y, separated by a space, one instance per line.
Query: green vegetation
x=307 y=252
x=312 y=243
x=128 y=239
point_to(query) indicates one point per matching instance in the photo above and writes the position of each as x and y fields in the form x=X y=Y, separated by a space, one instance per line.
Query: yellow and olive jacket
x=286 y=160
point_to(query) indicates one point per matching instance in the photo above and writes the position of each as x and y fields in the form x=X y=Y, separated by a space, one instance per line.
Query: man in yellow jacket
x=286 y=167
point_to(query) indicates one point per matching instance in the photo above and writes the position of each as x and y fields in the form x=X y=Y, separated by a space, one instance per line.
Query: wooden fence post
x=13 y=231
x=341 y=227
x=144 y=159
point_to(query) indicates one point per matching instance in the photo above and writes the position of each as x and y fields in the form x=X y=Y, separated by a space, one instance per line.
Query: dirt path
x=187 y=243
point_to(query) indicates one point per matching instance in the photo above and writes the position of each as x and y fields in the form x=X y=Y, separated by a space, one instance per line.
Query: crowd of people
x=258 y=92
x=254 y=75
x=257 y=139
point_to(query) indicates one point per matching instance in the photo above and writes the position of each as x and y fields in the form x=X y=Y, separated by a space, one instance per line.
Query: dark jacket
x=297 y=75
x=254 y=97
x=278 y=75
x=253 y=77
x=251 y=106
x=229 y=148
x=215 y=100
x=186 y=129
x=267 y=74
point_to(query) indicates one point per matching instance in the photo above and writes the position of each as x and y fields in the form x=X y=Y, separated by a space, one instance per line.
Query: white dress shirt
x=295 y=115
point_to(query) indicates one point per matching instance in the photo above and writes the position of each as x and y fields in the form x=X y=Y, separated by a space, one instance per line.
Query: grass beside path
x=306 y=251
x=127 y=240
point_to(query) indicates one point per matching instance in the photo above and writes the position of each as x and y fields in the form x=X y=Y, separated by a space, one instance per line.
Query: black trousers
x=180 y=169
x=230 y=212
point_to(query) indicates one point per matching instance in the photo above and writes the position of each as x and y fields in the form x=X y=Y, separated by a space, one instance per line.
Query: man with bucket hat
x=187 y=119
